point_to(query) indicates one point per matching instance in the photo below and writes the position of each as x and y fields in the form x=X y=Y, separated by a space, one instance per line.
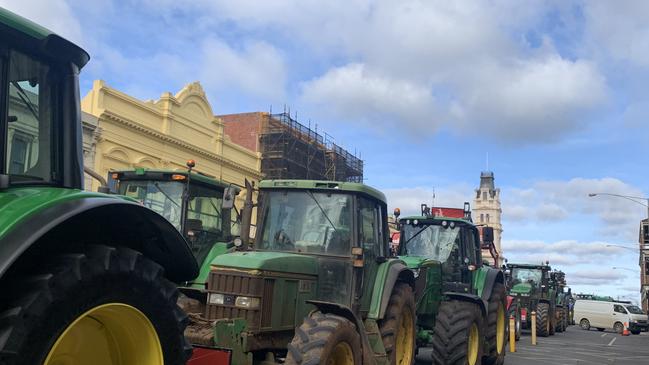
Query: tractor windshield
x=30 y=121
x=523 y=275
x=163 y=197
x=306 y=222
x=431 y=241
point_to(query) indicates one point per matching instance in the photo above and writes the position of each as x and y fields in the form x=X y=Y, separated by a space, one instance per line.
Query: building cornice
x=164 y=137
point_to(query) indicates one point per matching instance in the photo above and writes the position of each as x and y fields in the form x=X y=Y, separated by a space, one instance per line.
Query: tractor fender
x=387 y=275
x=346 y=312
x=99 y=219
x=470 y=298
x=493 y=276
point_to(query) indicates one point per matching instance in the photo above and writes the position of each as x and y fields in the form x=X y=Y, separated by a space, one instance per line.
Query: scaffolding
x=291 y=150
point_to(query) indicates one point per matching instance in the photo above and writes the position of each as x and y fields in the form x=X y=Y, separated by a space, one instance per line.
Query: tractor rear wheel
x=104 y=306
x=560 y=321
x=325 y=339
x=458 y=337
x=496 y=323
x=398 y=327
x=543 y=319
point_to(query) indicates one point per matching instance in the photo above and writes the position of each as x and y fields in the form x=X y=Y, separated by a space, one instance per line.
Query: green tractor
x=86 y=278
x=562 y=313
x=316 y=286
x=461 y=302
x=532 y=291
x=199 y=206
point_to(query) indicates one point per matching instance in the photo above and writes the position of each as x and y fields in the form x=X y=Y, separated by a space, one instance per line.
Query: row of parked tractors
x=165 y=270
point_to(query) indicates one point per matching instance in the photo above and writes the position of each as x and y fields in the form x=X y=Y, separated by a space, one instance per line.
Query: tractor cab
x=199 y=206
x=529 y=280
x=450 y=242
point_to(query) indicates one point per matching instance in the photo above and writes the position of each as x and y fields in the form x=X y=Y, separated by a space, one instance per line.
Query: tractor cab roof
x=165 y=175
x=348 y=187
x=434 y=220
x=528 y=266
x=27 y=34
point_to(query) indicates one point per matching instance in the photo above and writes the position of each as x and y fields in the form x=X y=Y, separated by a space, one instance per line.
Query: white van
x=603 y=315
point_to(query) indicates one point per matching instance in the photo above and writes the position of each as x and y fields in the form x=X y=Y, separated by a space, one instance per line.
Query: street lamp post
x=636 y=199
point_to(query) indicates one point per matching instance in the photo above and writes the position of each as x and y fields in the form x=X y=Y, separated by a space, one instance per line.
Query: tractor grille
x=235 y=284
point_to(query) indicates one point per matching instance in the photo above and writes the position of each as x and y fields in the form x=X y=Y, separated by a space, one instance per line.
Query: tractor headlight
x=216 y=298
x=247 y=302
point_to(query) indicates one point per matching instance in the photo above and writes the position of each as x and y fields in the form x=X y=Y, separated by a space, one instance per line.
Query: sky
x=549 y=95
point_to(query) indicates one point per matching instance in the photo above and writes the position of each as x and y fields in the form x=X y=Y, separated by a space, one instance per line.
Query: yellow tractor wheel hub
x=405 y=339
x=109 y=334
x=473 y=342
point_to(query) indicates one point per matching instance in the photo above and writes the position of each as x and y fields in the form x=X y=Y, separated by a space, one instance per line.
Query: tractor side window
x=369 y=230
x=469 y=245
x=29 y=133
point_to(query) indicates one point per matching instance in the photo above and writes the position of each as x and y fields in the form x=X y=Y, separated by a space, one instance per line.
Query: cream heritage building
x=487 y=210
x=122 y=132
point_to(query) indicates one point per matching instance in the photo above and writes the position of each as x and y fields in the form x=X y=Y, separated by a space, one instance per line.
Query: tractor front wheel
x=398 y=327
x=458 y=337
x=325 y=339
x=104 y=306
x=543 y=319
x=496 y=323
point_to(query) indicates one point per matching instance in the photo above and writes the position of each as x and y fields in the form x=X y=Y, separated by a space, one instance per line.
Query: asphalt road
x=576 y=346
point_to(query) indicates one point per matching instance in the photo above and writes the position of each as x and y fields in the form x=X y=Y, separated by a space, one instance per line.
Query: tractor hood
x=521 y=288
x=268 y=261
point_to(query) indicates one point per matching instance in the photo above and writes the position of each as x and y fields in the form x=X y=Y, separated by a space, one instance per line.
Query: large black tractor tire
x=496 y=323
x=518 y=326
x=553 y=320
x=458 y=337
x=103 y=303
x=398 y=328
x=543 y=321
x=325 y=339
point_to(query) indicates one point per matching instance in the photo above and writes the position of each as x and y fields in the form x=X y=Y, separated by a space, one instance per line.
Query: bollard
x=533 y=314
x=512 y=334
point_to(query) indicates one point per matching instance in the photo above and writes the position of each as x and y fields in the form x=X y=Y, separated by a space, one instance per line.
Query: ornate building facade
x=122 y=132
x=487 y=210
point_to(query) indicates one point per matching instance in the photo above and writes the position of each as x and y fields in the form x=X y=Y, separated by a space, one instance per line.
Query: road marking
x=604 y=334
x=613 y=340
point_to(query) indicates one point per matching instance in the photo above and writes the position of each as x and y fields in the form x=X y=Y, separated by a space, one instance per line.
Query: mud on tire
x=451 y=336
x=322 y=338
x=401 y=304
x=37 y=306
x=496 y=356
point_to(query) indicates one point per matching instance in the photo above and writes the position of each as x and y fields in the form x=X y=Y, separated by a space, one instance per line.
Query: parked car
x=610 y=315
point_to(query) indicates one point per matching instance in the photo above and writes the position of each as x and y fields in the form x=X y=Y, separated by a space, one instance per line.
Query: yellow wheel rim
x=500 y=329
x=109 y=334
x=341 y=355
x=473 y=343
x=405 y=339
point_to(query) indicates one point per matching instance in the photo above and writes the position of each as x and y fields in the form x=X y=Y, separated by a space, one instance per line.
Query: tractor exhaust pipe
x=103 y=185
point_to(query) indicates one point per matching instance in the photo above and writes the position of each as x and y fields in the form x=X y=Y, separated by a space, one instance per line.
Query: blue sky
x=553 y=91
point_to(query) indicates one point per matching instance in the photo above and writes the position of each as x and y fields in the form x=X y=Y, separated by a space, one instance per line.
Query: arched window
x=481 y=218
x=487 y=218
x=484 y=195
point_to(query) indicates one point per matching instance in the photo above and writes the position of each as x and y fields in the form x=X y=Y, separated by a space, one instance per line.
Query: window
x=487 y=218
x=470 y=245
x=481 y=218
x=619 y=309
x=484 y=195
x=29 y=147
x=369 y=231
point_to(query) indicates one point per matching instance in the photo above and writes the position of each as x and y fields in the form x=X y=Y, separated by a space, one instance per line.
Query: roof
x=434 y=220
x=529 y=266
x=323 y=185
x=144 y=174
x=46 y=41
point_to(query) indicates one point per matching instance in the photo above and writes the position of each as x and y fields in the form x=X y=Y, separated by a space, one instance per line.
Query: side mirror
x=228 y=198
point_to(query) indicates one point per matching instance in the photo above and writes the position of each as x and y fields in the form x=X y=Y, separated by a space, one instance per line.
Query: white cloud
x=359 y=94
